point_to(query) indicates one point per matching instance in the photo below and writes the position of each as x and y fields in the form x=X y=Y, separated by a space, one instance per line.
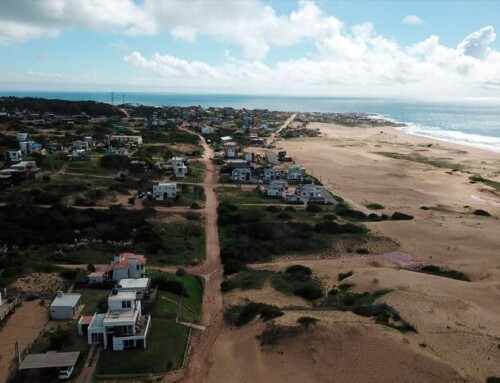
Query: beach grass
x=416 y=157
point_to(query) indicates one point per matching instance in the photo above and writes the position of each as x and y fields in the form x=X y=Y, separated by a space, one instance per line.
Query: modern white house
x=80 y=145
x=26 y=146
x=122 y=327
x=22 y=136
x=164 y=190
x=127 y=139
x=248 y=156
x=274 y=173
x=296 y=172
x=15 y=155
x=179 y=166
x=241 y=174
x=65 y=306
x=276 y=188
x=230 y=149
x=139 y=285
x=207 y=129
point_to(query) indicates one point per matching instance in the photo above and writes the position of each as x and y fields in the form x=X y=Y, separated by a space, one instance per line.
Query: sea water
x=474 y=122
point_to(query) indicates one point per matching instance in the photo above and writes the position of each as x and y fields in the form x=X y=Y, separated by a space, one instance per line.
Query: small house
x=22 y=136
x=207 y=129
x=241 y=174
x=230 y=149
x=179 y=166
x=164 y=190
x=139 y=285
x=276 y=188
x=248 y=156
x=296 y=172
x=15 y=155
x=274 y=173
x=65 y=306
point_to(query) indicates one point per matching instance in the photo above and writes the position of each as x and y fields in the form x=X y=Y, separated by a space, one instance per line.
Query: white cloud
x=361 y=61
x=477 y=43
x=412 y=20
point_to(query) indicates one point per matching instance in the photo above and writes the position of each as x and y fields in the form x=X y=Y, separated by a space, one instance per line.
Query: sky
x=305 y=48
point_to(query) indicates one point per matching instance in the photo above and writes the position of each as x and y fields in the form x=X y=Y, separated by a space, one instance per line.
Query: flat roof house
x=123 y=326
x=164 y=190
x=64 y=306
x=139 y=285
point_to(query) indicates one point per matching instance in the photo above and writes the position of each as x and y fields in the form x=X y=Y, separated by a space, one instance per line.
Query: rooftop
x=49 y=360
x=122 y=295
x=131 y=283
x=97 y=321
x=66 y=300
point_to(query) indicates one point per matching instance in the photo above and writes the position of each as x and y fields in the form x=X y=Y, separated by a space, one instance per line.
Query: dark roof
x=49 y=360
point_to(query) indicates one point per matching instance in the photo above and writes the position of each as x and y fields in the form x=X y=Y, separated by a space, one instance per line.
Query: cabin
x=65 y=306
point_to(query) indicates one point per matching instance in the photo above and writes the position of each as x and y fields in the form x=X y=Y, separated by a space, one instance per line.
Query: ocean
x=474 y=122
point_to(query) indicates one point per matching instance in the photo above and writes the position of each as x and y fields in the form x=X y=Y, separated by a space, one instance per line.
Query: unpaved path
x=211 y=271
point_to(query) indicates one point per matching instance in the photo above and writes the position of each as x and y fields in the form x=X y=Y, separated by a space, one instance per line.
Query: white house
x=179 y=166
x=276 y=188
x=241 y=174
x=275 y=173
x=207 y=129
x=15 y=155
x=296 y=172
x=80 y=145
x=126 y=139
x=226 y=139
x=124 y=265
x=122 y=327
x=230 y=149
x=309 y=190
x=248 y=156
x=165 y=190
x=26 y=146
x=139 y=285
x=22 y=136
x=65 y=306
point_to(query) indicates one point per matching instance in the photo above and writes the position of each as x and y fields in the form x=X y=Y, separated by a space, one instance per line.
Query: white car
x=66 y=372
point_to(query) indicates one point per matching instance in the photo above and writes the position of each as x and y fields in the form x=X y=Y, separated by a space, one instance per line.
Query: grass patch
x=375 y=206
x=416 y=157
x=240 y=315
x=494 y=184
x=446 y=273
x=246 y=280
x=165 y=351
x=297 y=280
x=91 y=298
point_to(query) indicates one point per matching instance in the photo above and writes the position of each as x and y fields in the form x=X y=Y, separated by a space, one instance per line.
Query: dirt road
x=211 y=271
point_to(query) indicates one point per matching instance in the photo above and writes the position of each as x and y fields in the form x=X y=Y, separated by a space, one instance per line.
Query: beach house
x=295 y=172
x=276 y=188
x=179 y=166
x=65 y=306
x=230 y=149
x=274 y=173
x=124 y=265
x=241 y=174
x=122 y=327
x=164 y=190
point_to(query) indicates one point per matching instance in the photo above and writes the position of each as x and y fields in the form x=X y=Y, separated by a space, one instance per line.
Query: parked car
x=66 y=372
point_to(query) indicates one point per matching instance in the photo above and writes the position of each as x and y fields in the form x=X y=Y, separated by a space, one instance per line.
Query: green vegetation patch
x=375 y=206
x=343 y=276
x=416 y=157
x=447 y=273
x=240 y=315
x=494 y=184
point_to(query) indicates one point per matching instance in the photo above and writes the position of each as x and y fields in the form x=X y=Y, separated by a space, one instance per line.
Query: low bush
x=307 y=321
x=284 y=216
x=362 y=251
x=68 y=274
x=482 y=213
x=313 y=208
x=330 y=227
x=273 y=209
x=290 y=209
x=310 y=291
x=329 y=217
x=170 y=285
x=375 y=206
x=298 y=270
x=493 y=379
x=180 y=272
x=397 y=216
x=242 y=315
x=343 y=276
x=234 y=266
x=346 y=212
x=447 y=273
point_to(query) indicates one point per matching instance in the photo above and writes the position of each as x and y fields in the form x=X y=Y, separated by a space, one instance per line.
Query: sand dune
x=458 y=322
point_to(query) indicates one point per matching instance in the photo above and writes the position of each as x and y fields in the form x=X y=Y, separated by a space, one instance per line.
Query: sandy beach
x=458 y=322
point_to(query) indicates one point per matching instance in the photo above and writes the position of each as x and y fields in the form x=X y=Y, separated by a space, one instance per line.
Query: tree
x=90 y=268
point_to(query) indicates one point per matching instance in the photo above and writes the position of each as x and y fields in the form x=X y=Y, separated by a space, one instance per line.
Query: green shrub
x=298 y=270
x=482 y=213
x=252 y=309
x=234 y=266
x=329 y=217
x=307 y=321
x=309 y=291
x=346 y=212
x=362 y=251
x=375 y=206
x=284 y=216
x=69 y=274
x=181 y=271
x=493 y=379
x=397 y=216
x=343 y=276
x=290 y=209
x=273 y=209
x=313 y=208
x=447 y=273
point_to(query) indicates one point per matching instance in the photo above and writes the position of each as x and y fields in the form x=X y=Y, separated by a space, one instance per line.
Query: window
x=126 y=304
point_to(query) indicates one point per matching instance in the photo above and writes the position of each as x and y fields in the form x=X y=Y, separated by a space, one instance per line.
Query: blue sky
x=333 y=48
